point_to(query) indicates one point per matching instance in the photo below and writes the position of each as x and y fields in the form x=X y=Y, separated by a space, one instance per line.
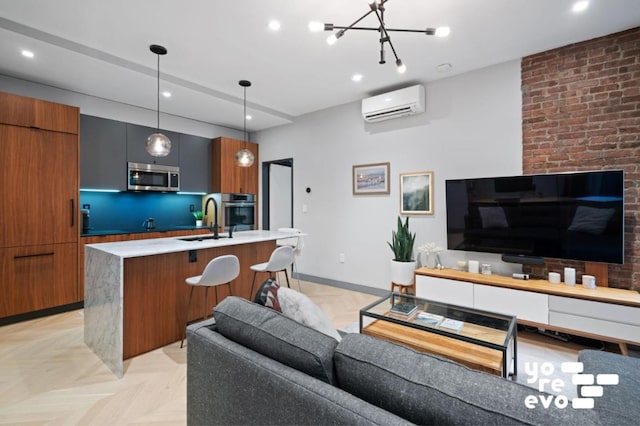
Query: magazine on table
x=429 y=319
x=452 y=324
x=404 y=308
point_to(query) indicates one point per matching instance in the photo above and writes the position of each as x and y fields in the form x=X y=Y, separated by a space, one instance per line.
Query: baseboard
x=342 y=284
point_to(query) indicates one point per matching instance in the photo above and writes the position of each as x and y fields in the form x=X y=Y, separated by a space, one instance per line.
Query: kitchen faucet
x=215 y=216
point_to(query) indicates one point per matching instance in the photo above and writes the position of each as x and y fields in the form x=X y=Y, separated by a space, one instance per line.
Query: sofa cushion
x=276 y=336
x=426 y=389
x=618 y=403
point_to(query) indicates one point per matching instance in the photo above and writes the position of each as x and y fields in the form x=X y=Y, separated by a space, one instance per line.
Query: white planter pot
x=402 y=272
x=198 y=223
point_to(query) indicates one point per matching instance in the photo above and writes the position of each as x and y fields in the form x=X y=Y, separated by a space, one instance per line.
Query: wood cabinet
x=226 y=176
x=37 y=113
x=37 y=277
x=103 y=153
x=39 y=211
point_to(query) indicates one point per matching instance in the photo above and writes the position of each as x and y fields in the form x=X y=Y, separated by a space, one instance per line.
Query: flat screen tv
x=577 y=216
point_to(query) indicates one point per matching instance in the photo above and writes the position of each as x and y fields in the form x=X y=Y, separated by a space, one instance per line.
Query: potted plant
x=198 y=215
x=403 y=263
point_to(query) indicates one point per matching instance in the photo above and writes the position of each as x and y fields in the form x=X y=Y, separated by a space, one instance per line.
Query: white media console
x=603 y=313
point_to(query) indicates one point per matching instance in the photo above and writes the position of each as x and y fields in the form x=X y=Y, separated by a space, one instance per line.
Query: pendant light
x=244 y=157
x=157 y=144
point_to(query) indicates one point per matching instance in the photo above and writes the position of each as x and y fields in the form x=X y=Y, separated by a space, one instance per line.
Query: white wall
x=98 y=107
x=472 y=128
x=279 y=196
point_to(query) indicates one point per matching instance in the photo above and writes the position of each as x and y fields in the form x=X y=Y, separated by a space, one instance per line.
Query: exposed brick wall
x=581 y=111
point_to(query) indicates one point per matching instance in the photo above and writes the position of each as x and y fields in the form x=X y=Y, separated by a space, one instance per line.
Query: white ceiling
x=101 y=48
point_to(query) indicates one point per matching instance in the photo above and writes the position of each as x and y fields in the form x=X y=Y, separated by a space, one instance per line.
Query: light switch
x=305 y=209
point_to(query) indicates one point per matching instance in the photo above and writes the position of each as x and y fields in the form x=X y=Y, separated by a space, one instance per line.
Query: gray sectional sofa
x=252 y=365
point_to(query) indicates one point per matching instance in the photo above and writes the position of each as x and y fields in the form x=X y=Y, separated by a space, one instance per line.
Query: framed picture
x=371 y=179
x=416 y=193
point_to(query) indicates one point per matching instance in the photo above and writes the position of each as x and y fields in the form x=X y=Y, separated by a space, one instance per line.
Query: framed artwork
x=371 y=179
x=416 y=193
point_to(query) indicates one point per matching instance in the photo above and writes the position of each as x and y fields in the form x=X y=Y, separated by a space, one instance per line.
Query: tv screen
x=577 y=216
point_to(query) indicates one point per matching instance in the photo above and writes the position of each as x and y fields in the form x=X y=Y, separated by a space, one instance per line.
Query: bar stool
x=281 y=258
x=296 y=242
x=221 y=270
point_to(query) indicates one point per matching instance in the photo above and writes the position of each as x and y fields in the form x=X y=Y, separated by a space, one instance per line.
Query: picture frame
x=416 y=193
x=370 y=179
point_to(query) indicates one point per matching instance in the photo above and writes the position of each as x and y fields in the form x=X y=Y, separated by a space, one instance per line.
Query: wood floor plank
x=49 y=376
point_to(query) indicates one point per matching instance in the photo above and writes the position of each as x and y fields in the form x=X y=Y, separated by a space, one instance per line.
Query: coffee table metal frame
x=508 y=323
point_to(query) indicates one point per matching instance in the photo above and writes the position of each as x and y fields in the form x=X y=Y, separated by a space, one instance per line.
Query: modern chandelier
x=377 y=7
x=157 y=144
x=244 y=157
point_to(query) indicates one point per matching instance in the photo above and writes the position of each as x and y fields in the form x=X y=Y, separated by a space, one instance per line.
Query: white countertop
x=150 y=247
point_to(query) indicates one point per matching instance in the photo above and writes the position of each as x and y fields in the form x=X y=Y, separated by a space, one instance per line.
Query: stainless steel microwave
x=152 y=177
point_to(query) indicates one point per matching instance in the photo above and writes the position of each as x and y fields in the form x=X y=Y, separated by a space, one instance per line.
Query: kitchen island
x=136 y=295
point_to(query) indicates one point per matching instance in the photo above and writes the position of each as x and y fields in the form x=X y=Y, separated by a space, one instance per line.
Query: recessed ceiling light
x=166 y=94
x=357 y=77
x=580 y=6
x=274 y=25
x=443 y=31
x=27 y=54
x=248 y=117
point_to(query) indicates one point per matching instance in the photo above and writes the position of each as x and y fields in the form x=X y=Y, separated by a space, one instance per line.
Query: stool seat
x=281 y=258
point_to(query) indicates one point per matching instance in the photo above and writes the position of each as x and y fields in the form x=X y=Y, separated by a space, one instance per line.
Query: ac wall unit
x=399 y=103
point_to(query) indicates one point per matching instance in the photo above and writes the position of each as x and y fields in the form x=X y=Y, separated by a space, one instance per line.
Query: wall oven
x=238 y=210
x=152 y=177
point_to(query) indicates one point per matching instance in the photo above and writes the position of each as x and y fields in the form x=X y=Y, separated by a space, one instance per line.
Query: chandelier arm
x=351 y=27
x=386 y=36
x=354 y=23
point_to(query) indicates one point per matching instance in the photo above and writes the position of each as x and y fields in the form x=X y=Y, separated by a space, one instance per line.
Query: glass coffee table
x=481 y=340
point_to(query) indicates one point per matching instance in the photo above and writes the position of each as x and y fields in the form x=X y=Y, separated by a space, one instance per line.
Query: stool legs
x=188 y=309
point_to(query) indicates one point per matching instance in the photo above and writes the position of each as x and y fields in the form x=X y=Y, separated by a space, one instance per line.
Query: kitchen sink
x=201 y=238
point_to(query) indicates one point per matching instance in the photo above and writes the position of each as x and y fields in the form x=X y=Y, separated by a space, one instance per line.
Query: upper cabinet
x=103 y=153
x=37 y=113
x=195 y=167
x=136 y=137
x=226 y=176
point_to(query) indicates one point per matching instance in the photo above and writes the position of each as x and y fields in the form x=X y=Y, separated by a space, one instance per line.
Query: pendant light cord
x=158 y=109
x=245 y=117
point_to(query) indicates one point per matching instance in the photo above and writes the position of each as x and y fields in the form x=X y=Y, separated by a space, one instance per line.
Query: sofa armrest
x=230 y=384
x=619 y=403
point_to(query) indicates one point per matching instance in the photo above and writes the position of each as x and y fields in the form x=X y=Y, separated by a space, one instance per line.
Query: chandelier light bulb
x=316 y=26
x=402 y=68
x=331 y=40
x=443 y=31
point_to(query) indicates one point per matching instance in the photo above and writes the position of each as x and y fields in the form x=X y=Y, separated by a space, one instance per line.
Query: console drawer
x=596 y=310
x=604 y=328
x=445 y=291
x=525 y=305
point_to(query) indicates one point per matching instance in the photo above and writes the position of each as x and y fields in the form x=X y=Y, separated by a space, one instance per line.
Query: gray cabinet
x=195 y=167
x=136 y=137
x=103 y=153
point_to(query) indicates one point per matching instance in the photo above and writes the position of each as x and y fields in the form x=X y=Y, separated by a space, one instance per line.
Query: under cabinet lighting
x=190 y=193
x=98 y=190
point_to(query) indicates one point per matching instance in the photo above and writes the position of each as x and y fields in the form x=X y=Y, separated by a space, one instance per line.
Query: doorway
x=277 y=194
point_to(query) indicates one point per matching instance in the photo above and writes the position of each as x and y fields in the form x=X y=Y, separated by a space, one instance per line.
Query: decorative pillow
x=300 y=308
x=591 y=220
x=267 y=295
x=493 y=217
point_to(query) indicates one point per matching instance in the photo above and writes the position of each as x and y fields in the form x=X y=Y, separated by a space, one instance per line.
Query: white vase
x=198 y=223
x=403 y=272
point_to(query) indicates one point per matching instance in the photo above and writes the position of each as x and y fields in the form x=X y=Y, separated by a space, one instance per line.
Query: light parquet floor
x=49 y=376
